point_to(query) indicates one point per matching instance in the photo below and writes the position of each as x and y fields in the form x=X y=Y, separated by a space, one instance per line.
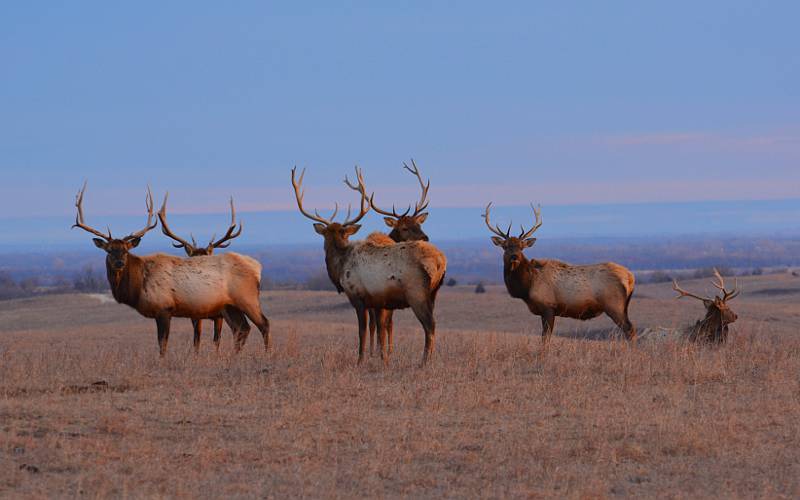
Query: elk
x=551 y=288
x=713 y=328
x=376 y=273
x=161 y=286
x=194 y=250
x=406 y=226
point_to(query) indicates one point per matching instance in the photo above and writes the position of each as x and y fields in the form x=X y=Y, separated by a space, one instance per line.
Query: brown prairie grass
x=88 y=409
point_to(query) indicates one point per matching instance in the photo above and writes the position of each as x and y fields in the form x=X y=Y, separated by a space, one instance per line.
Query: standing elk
x=551 y=288
x=193 y=250
x=714 y=327
x=376 y=273
x=161 y=286
x=406 y=226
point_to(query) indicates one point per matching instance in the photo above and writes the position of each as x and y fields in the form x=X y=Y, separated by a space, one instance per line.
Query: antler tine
x=496 y=230
x=365 y=204
x=162 y=216
x=720 y=285
x=299 y=193
x=79 y=222
x=150 y=216
x=684 y=293
x=423 y=199
x=538 y=213
x=232 y=232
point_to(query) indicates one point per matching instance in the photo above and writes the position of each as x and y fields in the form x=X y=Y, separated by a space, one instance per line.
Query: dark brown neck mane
x=518 y=281
x=126 y=285
x=334 y=261
x=710 y=328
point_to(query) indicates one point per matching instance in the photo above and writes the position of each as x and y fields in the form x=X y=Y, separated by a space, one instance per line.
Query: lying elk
x=714 y=327
x=377 y=273
x=161 y=286
x=551 y=288
x=406 y=226
x=193 y=250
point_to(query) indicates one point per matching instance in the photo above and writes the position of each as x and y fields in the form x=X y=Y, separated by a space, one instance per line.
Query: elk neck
x=711 y=326
x=126 y=285
x=335 y=258
x=518 y=281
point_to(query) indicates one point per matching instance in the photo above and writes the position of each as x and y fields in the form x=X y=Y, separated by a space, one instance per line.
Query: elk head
x=407 y=226
x=513 y=246
x=116 y=249
x=717 y=308
x=336 y=234
x=192 y=250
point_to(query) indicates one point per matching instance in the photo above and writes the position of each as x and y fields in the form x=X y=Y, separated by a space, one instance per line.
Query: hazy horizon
x=765 y=218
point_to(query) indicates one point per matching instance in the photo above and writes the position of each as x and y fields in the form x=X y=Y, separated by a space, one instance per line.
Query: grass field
x=87 y=407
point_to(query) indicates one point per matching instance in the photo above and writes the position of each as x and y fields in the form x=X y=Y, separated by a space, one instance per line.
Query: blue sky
x=564 y=103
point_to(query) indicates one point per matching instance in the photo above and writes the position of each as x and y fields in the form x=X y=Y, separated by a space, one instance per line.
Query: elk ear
x=133 y=242
x=352 y=229
x=498 y=241
x=100 y=243
x=421 y=218
x=709 y=303
x=320 y=228
x=390 y=221
x=528 y=243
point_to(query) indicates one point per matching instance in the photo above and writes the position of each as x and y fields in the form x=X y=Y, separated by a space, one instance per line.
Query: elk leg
x=372 y=325
x=424 y=313
x=217 y=331
x=198 y=330
x=162 y=325
x=548 y=325
x=390 y=329
x=624 y=324
x=254 y=314
x=381 y=320
x=238 y=324
x=361 y=313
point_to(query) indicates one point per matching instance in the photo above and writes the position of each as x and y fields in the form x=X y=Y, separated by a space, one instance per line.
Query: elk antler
x=79 y=217
x=162 y=216
x=421 y=205
x=684 y=293
x=538 y=213
x=496 y=230
x=230 y=234
x=365 y=204
x=720 y=285
x=299 y=193
x=150 y=215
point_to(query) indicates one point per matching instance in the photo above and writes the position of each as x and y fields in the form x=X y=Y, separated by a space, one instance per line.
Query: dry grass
x=87 y=408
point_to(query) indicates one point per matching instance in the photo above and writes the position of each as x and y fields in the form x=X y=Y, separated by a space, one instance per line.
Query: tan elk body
x=194 y=250
x=161 y=286
x=378 y=274
x=551 y=288
x=405 y=226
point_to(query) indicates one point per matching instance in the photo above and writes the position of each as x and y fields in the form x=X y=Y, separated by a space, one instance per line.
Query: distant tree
x=757 y=271
x=451 y=282
x=480 y=288
x=89 y=281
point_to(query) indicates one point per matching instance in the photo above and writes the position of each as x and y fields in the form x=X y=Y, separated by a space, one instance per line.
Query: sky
x=559 y=103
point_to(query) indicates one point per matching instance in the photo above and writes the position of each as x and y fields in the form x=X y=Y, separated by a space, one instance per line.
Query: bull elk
x=376 y=273
x=551 y=288
x=406 y=226
x=161 y=286
x=713 y=328
x=194 y=250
